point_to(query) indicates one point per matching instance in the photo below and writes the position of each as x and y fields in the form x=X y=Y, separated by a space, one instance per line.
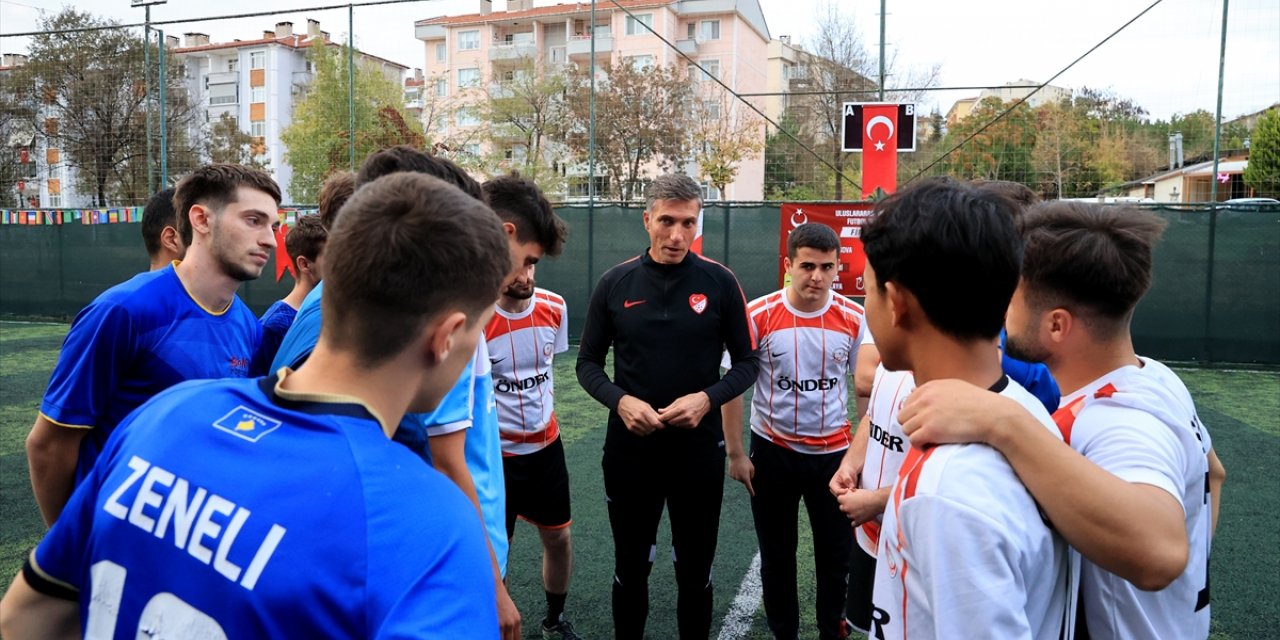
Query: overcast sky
x=1166 y=61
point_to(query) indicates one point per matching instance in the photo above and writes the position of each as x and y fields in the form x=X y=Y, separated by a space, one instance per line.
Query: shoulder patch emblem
x=698 y=302
x=246 y=424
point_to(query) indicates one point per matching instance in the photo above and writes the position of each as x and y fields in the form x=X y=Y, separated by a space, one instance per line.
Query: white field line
x=738 y=621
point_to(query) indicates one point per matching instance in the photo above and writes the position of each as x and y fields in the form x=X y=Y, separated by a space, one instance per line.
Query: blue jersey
x=300 y=337
x=135 y=340
x=275 y=323
x=484 y=456
x=290 y=522
x=1033 y=376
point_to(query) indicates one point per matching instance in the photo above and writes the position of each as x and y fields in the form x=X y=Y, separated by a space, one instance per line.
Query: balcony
x=515 y=50
x=223 y=77
x=557 y=56
x=688 y=46
x=580 y=46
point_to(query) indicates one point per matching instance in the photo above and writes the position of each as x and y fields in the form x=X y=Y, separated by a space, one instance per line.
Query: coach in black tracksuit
x=668 y=314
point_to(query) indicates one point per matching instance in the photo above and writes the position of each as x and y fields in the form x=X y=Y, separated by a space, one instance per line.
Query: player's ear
x=899 y=302
x=510 y=228
x=442 y=334
x=171 y=239
x=1058 y=324
x=200 y=218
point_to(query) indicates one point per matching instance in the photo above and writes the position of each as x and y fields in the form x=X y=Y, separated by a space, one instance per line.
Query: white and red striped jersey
x=806 y=363
x=965 y=552
x=886 y=445
x=1140 y=424
x=521 y=347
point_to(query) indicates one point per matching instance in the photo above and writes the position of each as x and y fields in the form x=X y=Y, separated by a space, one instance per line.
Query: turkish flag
x=696 y=247
x=283 y=263
x=879 y=148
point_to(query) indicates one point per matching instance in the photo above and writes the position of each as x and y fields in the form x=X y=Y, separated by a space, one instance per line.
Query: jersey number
x=164 y=616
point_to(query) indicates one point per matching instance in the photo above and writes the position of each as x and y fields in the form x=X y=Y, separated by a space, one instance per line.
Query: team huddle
x=353 y=463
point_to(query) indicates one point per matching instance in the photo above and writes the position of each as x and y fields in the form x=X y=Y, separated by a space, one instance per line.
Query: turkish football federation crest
x=698 y=302
x=246 y=424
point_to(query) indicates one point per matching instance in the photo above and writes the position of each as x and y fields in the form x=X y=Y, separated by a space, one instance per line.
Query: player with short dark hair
x=1136 y=492
x=668 y=314
x=160 y=230
x=529 y=326
x=138 y=338
x=334 y=193
x=405 y=158
x=304 y=243
x=809 y=339
x=291 y=520
x=963 y=551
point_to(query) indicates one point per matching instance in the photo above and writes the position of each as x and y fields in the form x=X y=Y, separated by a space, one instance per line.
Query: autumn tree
x=319 y=139
x=992 y=149
x=1061 y=152
x=525 y=112
x=95 y=93
x=1263 y=171
x=725 y=134
x=642 y=116
x=229 y=144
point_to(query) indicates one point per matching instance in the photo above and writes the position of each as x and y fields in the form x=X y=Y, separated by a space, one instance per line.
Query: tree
x=527 y=113
x=93 y=95
x=318 y=140
x=1001 y=151
x=642 y=116
x=789 y=171
x=725 y=135
x=228 y=144
x=17 y=133
x=1263 y=171
x=1061 y=153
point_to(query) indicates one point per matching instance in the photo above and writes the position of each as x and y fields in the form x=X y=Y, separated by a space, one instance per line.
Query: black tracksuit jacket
x=669 y=325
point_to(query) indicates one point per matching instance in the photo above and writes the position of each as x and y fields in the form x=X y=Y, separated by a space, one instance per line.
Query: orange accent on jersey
x=1106 y=391
x=545 y=436
x=1065 y=417
x=833 y=441
x=872 y=529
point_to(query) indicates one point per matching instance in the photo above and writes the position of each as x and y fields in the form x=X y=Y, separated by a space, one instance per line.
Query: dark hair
x=519 y=201
x=404 y=158
x=335 y=191
x=814 y=236
x=407 y=247
x=1019 y=194
x=672 y=186
x=156 y=216
x=1091 y=259
x=215 y=186
x=305 y=239
x=954 y=247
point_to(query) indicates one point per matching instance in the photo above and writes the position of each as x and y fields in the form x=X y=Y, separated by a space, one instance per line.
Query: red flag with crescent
x=283 y=263
x=879 y=148
x=696 y=245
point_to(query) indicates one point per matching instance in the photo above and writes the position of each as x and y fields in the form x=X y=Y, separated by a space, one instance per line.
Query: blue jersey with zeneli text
x=239 y=509
x=135 y=340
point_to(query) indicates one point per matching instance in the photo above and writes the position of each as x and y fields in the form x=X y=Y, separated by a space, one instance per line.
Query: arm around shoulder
x=27 y=613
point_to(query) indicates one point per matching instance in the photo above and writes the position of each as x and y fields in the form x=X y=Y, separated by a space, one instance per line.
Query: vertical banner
x=846 y=219
x=878 y=131
x=696 y=246
x=283 y=263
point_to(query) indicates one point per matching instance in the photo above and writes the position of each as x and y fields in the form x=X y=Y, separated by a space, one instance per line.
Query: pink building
x=729 y=38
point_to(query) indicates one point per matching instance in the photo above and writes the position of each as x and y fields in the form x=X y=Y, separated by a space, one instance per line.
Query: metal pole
x=882 y=50
x=146 y=70
x=1217 y=126
x=591 y=154
x=351 y=84
x=164 y=110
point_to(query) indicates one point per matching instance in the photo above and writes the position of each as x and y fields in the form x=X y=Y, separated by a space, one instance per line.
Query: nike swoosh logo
x=775 y=355
x=495 y=361
x=627 y=304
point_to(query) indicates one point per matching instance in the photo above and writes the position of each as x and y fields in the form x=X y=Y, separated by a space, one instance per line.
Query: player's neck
x=208 y=284
x=299 y=293
x=335 y=373
x=1086 y=360
x=936 y=356
x=804 y=306
x=514 y=305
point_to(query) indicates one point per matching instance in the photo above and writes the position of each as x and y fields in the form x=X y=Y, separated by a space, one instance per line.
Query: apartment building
x=1009 y=92
x=256 y=82
x=37 y=169
x=466 y=55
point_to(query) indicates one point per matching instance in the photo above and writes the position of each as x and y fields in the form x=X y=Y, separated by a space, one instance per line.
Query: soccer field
x=1241 y=410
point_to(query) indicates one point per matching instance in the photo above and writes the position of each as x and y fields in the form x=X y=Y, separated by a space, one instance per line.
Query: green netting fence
x=1215 y=298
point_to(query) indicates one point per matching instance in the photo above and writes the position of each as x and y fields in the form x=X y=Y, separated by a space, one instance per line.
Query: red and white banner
x=696 y=246
x=878 y=131
x=846 y=219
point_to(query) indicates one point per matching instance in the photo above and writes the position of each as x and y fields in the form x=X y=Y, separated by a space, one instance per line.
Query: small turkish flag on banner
x=879 y=148
x=283 y=263
x=696 y=246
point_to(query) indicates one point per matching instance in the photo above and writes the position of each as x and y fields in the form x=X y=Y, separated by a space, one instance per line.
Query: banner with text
x=845 y=218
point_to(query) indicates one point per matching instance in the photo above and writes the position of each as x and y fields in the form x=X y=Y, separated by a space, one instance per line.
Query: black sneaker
x=561 y=630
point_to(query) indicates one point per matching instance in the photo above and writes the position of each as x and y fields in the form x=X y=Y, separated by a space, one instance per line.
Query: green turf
x=1239 y=408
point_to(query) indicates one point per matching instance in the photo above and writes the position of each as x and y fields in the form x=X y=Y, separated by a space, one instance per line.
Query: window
x=55 y=199
x=233 y=64
x=634 y=27
x=469 y=40
x=471 y=149
x=258 y=94
x=712 y=109
x=517 y=153
x=258 y=129
x=468 y=78
x=467 y=118
x=712 y=68
x=640 y=63
x=220 y=94
x=442 y=87
x=710 y=30
x=709 y=192
x=692 y=30
x=440 y=49
x=220 y=100
x=257 y=59
x=786 y=72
